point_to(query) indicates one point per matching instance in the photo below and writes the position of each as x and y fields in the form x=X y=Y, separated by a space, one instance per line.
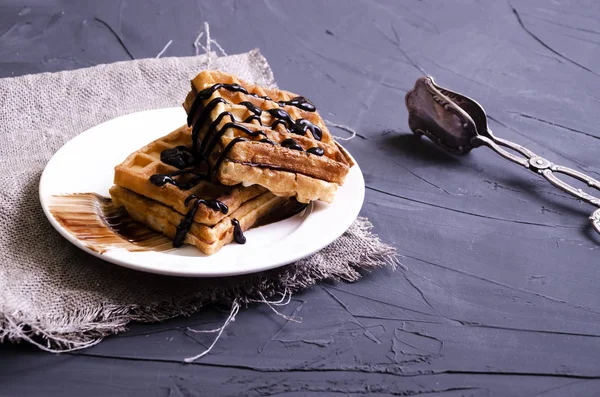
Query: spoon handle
x=549 y=174
x=496 y=145
x=595 y=219
x=545 y=168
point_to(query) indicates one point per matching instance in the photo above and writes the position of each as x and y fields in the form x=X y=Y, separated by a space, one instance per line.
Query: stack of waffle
x=246 y=153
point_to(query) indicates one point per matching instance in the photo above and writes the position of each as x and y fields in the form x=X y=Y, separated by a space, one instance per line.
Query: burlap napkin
x=58 y=297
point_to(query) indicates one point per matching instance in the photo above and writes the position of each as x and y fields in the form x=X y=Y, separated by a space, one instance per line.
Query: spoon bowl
x=451 y=120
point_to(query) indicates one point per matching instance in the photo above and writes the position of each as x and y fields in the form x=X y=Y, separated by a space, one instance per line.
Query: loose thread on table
x=280 y=302
x=164 y=49
x=207 y=48
x=283 y=301
x=235 y=308
x=342 y=127
x=198 y=45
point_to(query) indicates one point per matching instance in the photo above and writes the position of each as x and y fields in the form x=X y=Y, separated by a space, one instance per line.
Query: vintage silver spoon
x=458 y=124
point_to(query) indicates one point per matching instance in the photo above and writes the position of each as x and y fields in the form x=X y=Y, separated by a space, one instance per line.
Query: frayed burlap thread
x=59 y=298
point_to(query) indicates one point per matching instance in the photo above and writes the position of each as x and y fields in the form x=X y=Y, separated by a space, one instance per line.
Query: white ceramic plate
x=86 y=164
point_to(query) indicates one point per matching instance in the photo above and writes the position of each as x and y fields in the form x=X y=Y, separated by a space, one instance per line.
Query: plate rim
x=112 y=256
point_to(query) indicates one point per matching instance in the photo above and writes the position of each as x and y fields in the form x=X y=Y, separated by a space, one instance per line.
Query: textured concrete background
x=500 y=295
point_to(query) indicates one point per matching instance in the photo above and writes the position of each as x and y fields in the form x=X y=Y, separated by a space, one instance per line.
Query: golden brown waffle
x=135 y=172
x=265 y=145
x=208 y=239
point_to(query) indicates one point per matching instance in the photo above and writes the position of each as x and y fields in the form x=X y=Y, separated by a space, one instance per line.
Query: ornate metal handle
x=543 y=167
x=595 y=218
x=458 y=124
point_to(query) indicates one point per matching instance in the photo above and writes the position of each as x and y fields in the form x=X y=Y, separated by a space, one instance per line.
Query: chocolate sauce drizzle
x=186 y=223
x=206 y=93
x=252 y=118
x=208 y=149
x=162 y=179
x=317 y=151
x=227 y=149
x=181 y=157
x=205 y=112
x=299 y=126
x=270 y=142
x=291 y=144
x=238 y=234
x=252 y=107
x=300 y=102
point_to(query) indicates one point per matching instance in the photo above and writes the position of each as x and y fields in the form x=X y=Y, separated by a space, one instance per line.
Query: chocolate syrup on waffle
x=181 y=157
x=317 y=151
x=186 y=223
x=205 y=112
x=206 y=93
x=299 y=126
x=302 y=125
x=252 y=118
x=208 y=149
x=252 y=107
x=238 y=234
x=299 y=101
x=227 y=149
x=212 y=204
x=162 y=179
x=291 y=144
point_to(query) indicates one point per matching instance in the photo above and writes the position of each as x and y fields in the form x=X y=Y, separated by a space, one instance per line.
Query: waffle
x=208 y=239
x=260 y=147
x=135 y=172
